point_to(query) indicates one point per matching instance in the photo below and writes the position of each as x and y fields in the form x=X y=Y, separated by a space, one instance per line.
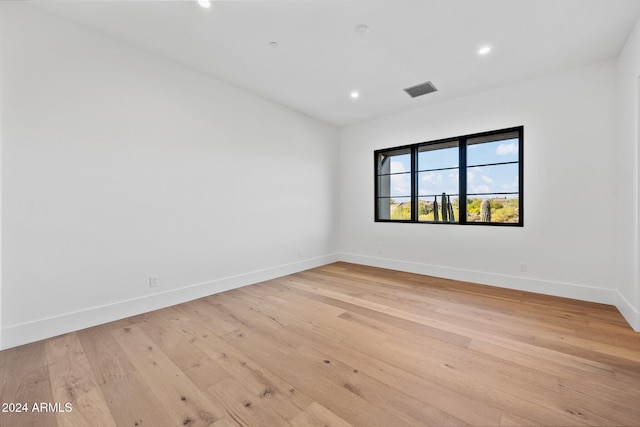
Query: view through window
x=426 y=182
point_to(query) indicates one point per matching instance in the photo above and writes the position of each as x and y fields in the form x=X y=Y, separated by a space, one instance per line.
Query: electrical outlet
x=153 y=281
x=523 y=267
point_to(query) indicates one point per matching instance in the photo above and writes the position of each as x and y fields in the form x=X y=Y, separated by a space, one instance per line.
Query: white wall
x=570 y=204
x=628 y=98
x=118 y=165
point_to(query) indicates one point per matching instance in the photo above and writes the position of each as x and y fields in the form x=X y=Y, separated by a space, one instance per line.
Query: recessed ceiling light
x=484 y=50
x=355 y=94
x=204 y=3
x=273 y=44
x=362 y=29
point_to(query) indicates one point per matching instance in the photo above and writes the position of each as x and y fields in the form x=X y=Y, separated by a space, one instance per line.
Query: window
x=472 y=179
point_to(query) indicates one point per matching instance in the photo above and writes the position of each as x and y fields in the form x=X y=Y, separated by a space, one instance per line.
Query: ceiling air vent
x=421 y=89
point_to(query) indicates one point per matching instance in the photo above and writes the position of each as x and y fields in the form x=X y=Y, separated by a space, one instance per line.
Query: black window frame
x=414 y=149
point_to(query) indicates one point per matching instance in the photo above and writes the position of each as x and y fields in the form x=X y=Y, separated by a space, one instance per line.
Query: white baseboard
x=567 y=290
x=631 y=314
x=39 y=329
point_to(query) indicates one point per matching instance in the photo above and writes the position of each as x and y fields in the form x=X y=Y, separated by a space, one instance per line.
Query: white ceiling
x=320 y=59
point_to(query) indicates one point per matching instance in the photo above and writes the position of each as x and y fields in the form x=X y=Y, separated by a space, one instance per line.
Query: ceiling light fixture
x=273 y=44
x=362 y=29
x=204 y=3
x=355 y=94
x=484 y=50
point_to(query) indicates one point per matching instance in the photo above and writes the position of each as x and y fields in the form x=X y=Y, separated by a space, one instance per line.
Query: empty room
x=320 y=213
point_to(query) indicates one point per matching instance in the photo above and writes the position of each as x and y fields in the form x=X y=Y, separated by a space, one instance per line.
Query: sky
x=438 y=170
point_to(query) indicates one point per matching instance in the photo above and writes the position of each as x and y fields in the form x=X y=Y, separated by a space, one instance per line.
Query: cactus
x=435 y=208
x=485 y=211
x=451 y=216
x=445 y=208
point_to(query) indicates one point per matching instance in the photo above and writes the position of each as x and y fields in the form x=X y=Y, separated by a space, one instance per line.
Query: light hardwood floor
x=340 y=345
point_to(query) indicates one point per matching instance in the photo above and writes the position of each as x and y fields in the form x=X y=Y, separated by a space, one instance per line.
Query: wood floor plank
x=311 y=382
x=381 y=308
x=183 y=401
x=198 y=366
x=132 y=403
x=430 y=392
x=73 y=382
x=108 y=360
x=317 y=415
x=510 y=420
x=252 y=316
x=448 y=371
x=381 y=321
x=311 y=313
x=24 y=380
x=23 y=392
x=567 y=370
x=164 y=330
x=226 y=422
x=400 y=404
x=15 y=361
x=238 y=365
x=247 y=408
x=201 y=310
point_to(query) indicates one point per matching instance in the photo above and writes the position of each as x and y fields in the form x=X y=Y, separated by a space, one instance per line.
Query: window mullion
x=462 y=183
x=414 y=184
